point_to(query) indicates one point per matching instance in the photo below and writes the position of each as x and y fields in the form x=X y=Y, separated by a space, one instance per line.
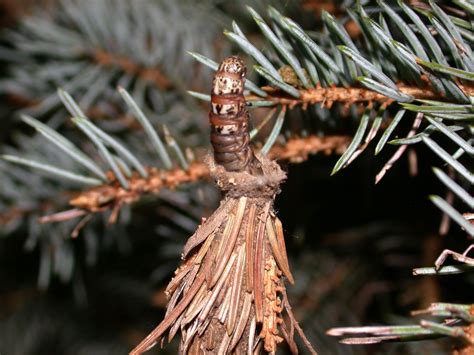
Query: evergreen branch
x=80 y=47
x=105 y=197
x=400 y=73
x=353 y=95
x=453 y=314
x=343 y=95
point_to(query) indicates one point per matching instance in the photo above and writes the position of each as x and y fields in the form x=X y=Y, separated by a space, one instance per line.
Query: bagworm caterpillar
x=229 y=294
x=229 y=118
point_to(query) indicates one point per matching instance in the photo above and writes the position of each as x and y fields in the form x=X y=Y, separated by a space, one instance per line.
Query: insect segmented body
x=229 y=118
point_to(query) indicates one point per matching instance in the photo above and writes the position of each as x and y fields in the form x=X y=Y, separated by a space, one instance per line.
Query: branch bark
x=106 y=197
x=327 y=96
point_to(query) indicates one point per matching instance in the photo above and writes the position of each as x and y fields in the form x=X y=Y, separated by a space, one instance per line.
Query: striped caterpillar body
x=229 y=118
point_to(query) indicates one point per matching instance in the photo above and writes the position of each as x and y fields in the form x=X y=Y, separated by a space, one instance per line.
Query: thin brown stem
x=106 y=197
x=153 y=75
x=295 y=323
x=327 y=96
x=399 y=152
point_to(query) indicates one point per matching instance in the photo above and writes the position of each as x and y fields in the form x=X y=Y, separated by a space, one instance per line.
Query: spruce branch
x=80 y=47
x=346 y=95
x=125 y=179
x=426 y=70
x=113 y=196
x=332 y=68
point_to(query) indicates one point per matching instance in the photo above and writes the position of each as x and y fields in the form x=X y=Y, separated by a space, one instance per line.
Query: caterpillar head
x=233 y=65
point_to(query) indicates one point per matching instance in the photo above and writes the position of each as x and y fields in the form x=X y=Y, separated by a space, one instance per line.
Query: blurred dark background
x=352 y=244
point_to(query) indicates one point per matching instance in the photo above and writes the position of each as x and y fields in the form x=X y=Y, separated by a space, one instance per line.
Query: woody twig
x=109 y=196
